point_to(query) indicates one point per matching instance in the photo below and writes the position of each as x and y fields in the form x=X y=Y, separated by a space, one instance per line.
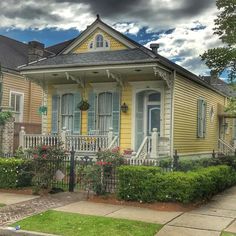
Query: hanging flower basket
x=83 y=105
x=43 y=110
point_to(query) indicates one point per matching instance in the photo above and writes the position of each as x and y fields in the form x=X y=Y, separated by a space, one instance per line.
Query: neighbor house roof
x=12 y=53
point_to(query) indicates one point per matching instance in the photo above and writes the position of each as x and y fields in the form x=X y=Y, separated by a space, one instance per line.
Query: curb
x=12 y=232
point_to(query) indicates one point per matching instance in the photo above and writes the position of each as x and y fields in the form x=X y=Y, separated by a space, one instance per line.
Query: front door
x=148 y=115
x=153 y=118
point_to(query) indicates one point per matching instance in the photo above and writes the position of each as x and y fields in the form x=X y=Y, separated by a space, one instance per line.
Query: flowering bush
x=15 y=173
x=46 y=161
x=97 y=176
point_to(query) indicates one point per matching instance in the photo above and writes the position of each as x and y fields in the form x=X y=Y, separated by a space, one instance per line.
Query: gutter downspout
x=172 y=115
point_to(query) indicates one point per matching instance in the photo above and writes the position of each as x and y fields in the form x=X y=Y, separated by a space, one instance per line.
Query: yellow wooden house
x=103 y=89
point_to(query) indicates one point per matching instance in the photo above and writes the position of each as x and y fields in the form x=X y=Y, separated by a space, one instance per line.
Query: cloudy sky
x=183 y=28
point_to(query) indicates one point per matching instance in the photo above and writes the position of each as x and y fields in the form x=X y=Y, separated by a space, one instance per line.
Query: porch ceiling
x=96 y=74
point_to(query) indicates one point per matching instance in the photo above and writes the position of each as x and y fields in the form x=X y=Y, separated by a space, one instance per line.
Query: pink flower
x=44 y=156
x=35 y=155
x=44 y=148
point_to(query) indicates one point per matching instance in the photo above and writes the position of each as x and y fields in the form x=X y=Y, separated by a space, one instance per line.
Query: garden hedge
x=15 y=173
x=149 y=184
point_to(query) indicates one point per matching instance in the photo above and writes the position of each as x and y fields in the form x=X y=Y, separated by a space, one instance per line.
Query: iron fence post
x=176 y=161
x=72 y=170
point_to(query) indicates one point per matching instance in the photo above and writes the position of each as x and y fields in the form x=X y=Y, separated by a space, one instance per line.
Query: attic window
x=99 y=41
x=107 y=44
x=91 y=45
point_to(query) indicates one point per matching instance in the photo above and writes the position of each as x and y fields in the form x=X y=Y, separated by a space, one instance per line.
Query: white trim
x=104 y=87
x=91 y=30
x=145 y=86
x=95 y=48
x=172 y=116
x=66 y=88
x=88 y=68
x=21 y=103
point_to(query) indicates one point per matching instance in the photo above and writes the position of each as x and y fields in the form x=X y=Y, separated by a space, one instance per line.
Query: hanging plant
x=83 y=105
x=43 y=110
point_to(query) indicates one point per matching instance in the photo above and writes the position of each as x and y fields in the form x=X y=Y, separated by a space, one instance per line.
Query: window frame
x=12 y=92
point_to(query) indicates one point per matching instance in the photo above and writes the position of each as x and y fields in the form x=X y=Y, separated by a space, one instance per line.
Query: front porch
x=135 y=100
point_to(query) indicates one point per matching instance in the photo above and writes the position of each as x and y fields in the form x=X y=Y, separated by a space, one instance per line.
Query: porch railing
x=87 y=143
x=31 y=140
x=81 y=143
x=152 y=147
x=225 y=148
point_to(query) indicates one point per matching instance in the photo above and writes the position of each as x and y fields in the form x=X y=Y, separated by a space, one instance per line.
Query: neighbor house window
x=16 y=103
x=201 y=118
x=99 y=41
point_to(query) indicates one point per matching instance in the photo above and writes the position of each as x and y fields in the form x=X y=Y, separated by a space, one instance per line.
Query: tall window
x=104 y=111
x=67 y=104
x=201 y=118
x=99 y=41
x=16 y=103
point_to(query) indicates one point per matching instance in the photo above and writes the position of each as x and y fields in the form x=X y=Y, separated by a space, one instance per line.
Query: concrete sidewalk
x=121 y=212
x=209 y=220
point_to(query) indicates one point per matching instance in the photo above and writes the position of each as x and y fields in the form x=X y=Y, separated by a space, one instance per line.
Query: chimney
x=214 y=77
x=154 y=47
x=35 y=51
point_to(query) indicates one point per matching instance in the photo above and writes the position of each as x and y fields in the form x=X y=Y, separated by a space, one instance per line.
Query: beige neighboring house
x=21 y=96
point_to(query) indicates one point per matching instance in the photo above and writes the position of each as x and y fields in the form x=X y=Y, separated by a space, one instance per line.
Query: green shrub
x=15 y=173
x=149 y=184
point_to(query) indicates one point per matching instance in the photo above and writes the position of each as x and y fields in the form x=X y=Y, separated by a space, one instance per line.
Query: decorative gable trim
x=98 y=24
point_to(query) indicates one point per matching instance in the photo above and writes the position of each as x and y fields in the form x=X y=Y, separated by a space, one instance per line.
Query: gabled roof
x=12 y=53
x=94 y=58
x=135 y=53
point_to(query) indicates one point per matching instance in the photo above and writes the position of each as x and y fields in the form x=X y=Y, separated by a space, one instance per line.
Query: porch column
x=21 y=136
x=63 y=137
x=110 y=135
x=154 y=151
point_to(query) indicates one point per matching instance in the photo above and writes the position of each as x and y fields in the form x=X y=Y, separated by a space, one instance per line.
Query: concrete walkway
x=208 y=220
x=12 y=198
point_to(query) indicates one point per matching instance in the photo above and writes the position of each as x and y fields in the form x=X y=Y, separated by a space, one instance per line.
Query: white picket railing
x=144 y=149
x=225 y=148
x=86 y=143
x=114 y=143
x=80 y=143
x=32 y=140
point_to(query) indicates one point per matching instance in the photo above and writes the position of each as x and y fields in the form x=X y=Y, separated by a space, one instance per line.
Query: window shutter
x=91 y=111
x=139 y=129
x=199 y=118
x=204 y=117
x=55 y=100
x=77 y=114
x=1 y=92
x=116 y=112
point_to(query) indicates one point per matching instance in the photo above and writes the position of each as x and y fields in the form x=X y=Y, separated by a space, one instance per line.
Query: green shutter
x=1 y=92
x=77 y=114
x=116 y=112
x=55 y=101
x=199 y=118
x=204 y=117
x=92 y=111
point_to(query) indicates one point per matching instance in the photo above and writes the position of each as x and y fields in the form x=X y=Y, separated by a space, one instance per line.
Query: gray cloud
x=155 y=14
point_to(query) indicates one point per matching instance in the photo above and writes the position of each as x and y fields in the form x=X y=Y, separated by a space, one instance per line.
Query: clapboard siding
x=185 y=117
x=32 y=96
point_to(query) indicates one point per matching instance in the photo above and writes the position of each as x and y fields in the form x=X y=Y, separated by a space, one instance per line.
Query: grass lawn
x=2 y=205
x=227 y=234
x=83 y=225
